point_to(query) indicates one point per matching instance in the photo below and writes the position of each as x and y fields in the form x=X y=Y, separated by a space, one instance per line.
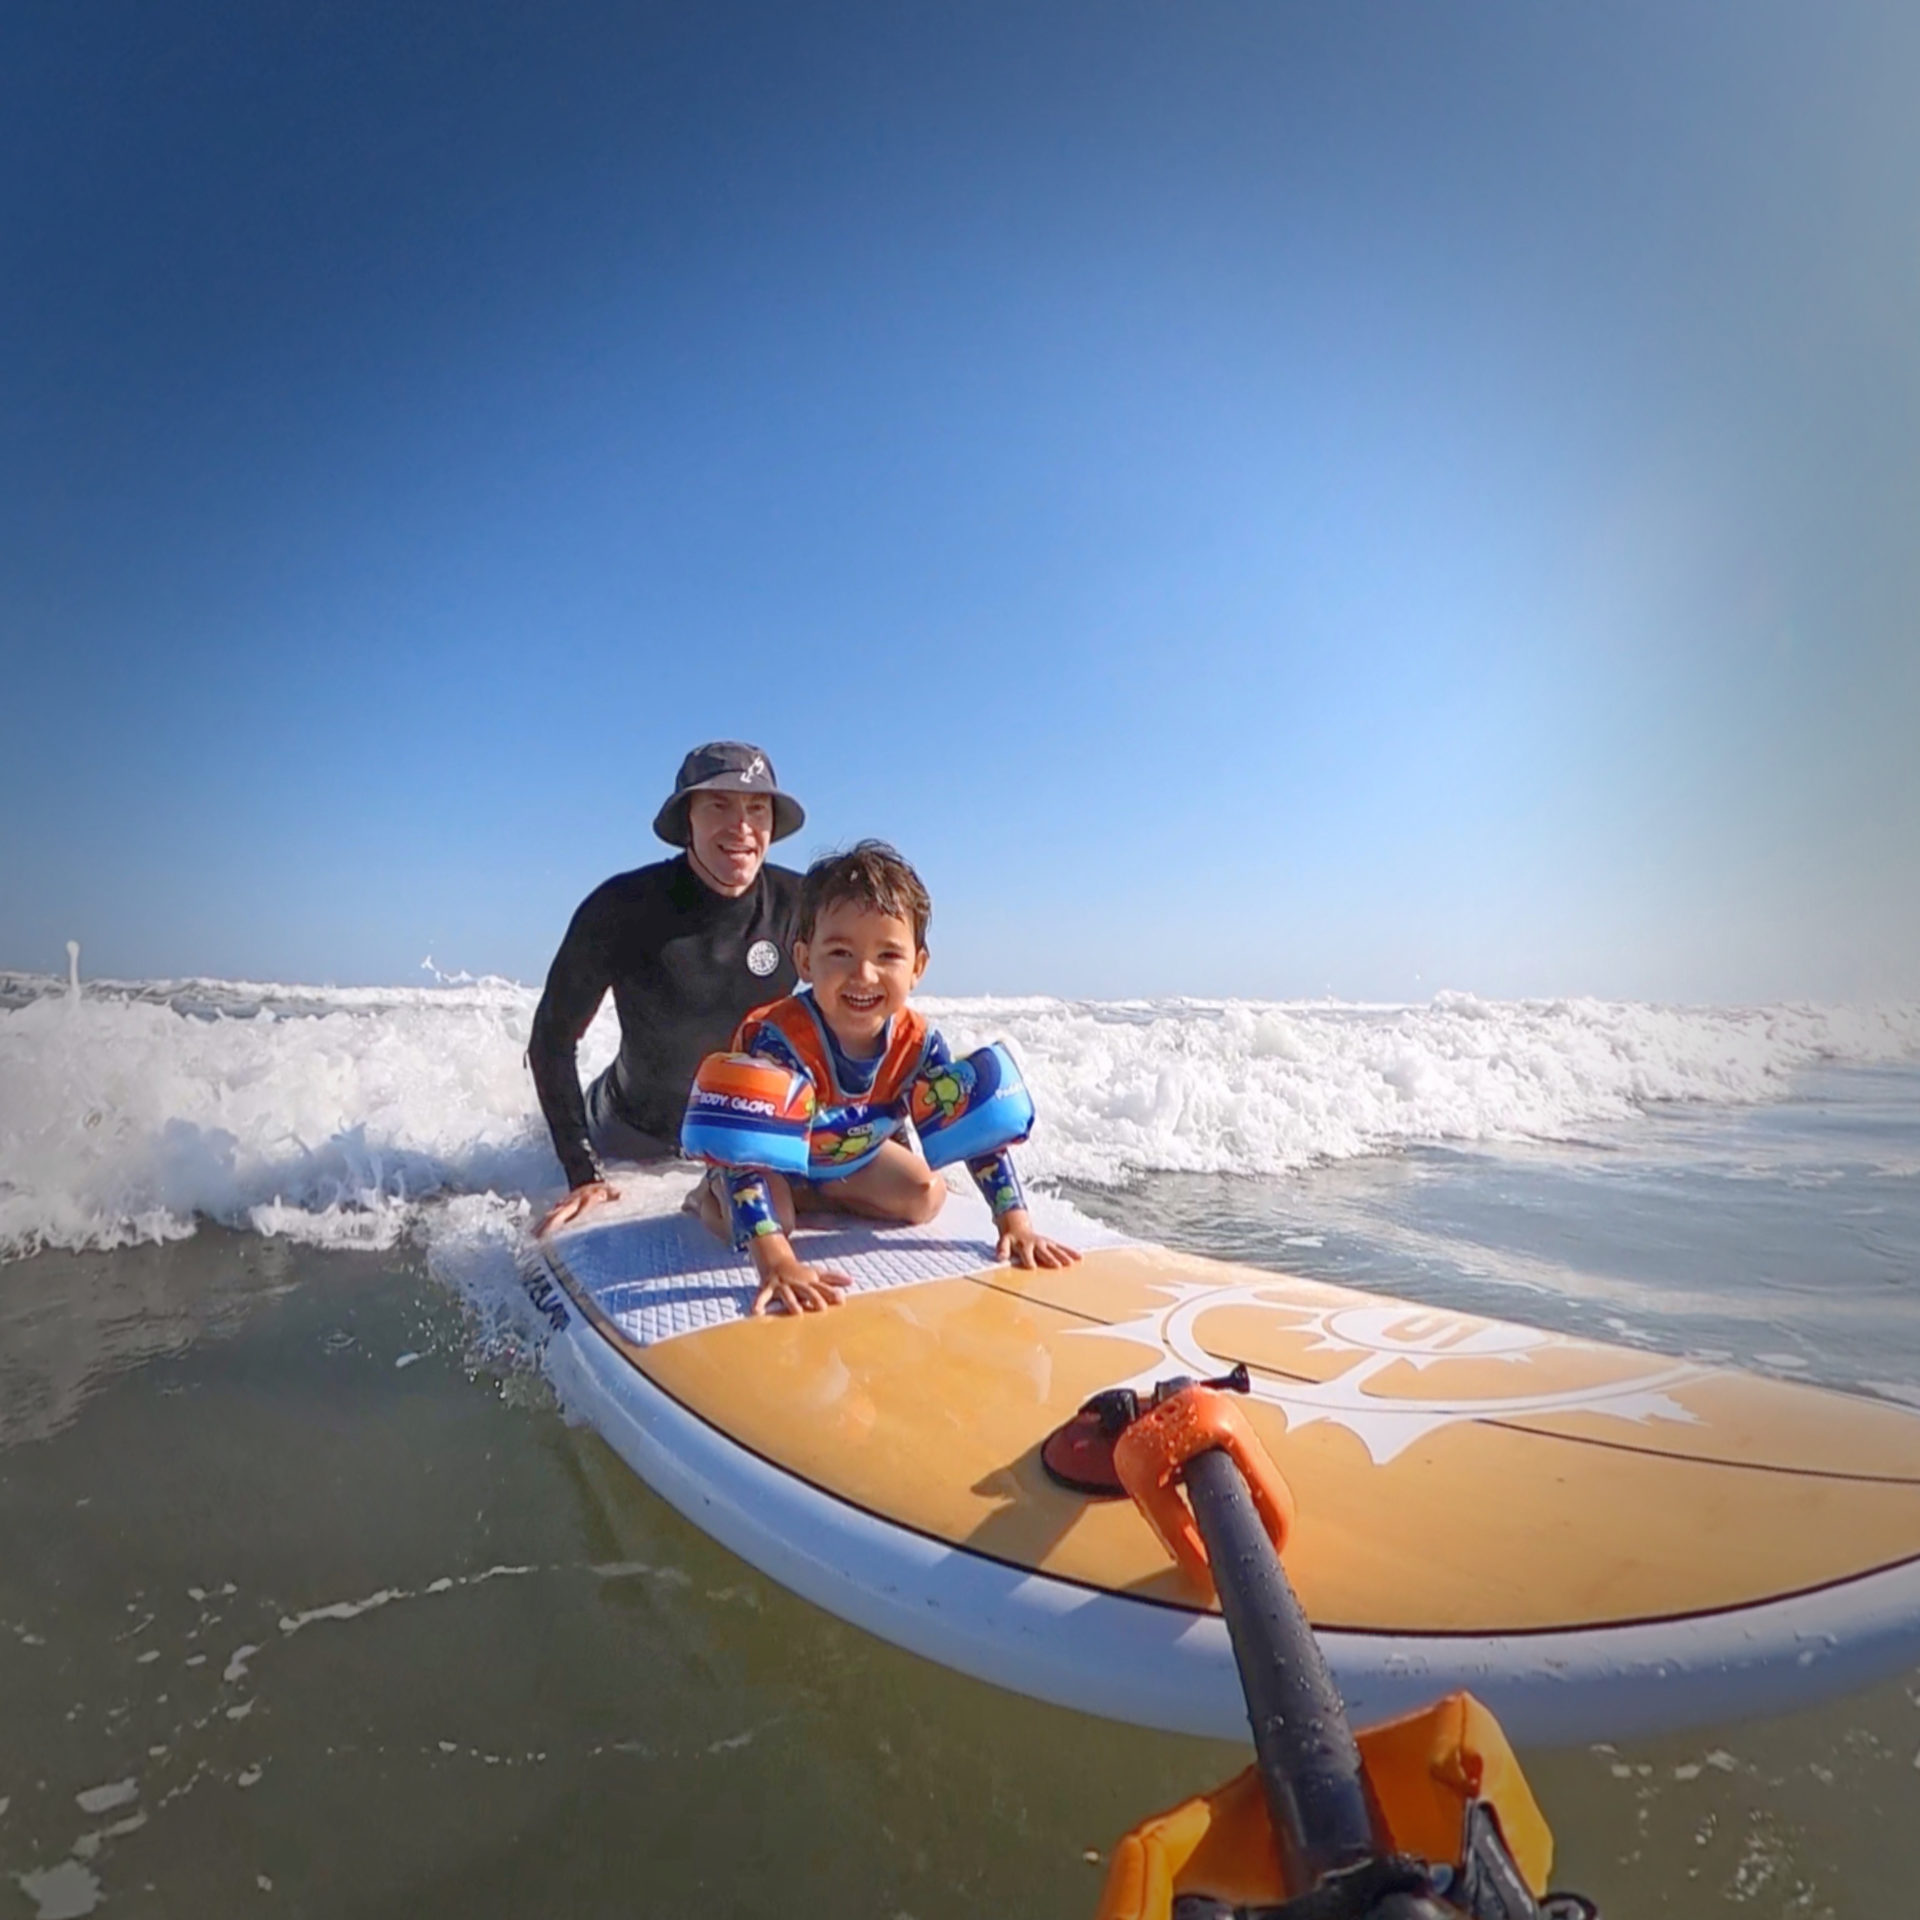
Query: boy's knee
x=928 y=1197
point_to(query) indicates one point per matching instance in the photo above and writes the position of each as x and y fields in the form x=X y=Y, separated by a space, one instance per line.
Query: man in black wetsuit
x=688 y=947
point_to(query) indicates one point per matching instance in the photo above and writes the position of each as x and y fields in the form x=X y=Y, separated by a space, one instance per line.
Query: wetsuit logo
x=762 y=957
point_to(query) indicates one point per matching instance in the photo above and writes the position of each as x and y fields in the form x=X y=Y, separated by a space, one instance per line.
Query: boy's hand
x=1026 y=1248
x=788 y=1282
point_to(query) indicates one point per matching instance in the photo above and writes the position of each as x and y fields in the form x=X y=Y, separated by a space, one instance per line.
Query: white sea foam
x=350 y=1117
x=127 y=1114
x=1251 y=1087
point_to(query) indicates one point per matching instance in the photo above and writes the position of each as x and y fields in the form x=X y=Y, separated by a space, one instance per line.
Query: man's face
x=729 y=834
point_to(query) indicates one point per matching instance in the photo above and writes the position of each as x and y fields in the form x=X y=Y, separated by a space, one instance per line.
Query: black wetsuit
x=681 y=962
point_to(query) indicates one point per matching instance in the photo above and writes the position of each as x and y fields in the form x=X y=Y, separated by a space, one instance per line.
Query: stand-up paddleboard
x=1595 y=1541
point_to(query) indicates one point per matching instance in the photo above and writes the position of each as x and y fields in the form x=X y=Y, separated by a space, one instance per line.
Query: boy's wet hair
x=871 y=875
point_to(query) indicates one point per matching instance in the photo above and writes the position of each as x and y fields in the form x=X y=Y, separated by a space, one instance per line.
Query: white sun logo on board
x=1380 y=1337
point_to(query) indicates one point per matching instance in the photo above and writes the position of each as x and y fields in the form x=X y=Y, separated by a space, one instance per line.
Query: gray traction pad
x=658 y=1275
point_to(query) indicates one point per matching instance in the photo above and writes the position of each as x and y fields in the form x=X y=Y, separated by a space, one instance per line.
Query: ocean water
x=312 y=1601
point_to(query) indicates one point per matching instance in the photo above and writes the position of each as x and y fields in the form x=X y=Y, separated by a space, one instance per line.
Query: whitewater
x=356 y=1118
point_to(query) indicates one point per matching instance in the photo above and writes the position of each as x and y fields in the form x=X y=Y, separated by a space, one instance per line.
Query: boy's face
x=862 y=965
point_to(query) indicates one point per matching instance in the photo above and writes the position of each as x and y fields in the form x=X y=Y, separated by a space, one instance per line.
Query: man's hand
x=581 y=1200
x=787 y=1282
x=1026 y=1248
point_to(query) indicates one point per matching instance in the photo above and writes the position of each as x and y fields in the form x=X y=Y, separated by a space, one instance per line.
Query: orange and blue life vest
x=859 y=1105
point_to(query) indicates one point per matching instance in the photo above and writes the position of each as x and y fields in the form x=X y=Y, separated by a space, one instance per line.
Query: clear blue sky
x=1264 y=498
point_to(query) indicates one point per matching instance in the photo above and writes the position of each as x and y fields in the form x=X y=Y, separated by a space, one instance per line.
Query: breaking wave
x=350 y=1117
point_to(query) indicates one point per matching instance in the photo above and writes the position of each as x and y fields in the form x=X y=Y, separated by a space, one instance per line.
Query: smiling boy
x=861 y=949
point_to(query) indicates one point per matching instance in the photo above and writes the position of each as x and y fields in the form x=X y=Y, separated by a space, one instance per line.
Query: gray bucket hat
x=725 y=766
